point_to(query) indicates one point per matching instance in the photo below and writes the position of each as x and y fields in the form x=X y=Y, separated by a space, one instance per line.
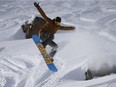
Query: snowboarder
x=49 y=29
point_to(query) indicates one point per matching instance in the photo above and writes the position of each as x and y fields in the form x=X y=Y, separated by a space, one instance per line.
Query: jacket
x=50 y=26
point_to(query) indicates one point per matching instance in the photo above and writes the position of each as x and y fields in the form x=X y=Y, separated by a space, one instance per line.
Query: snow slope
x=91 y=45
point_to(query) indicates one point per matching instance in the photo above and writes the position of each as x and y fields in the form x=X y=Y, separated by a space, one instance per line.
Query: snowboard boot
x=52 y=59
x=52 y=55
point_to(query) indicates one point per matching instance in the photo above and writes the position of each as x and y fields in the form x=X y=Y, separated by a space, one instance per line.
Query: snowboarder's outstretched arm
x=66 y=28
x=41 y=11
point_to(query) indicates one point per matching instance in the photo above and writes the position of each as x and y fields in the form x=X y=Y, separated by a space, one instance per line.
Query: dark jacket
x=50 y=26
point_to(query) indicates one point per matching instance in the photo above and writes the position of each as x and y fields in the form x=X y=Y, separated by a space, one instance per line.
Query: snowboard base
x=44 y=53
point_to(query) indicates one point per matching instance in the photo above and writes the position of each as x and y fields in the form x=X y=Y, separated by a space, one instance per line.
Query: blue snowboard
x=44 y=53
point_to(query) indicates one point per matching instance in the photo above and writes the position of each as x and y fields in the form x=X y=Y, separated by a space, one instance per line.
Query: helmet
x=58 y=19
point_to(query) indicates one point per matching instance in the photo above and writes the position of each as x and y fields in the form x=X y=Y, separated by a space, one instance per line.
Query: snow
x=91 y=45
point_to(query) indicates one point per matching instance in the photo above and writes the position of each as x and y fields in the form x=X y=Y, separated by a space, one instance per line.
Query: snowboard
x=44 y=53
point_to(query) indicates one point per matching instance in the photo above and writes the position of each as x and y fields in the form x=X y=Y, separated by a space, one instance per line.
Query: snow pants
x=47 y=39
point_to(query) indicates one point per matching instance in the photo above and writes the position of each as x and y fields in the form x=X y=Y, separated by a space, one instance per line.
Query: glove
x=73 y=28
x=35 y=4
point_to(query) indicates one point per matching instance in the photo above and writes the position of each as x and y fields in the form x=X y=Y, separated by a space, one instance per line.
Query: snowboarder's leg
x=54 y=48
x=46 y=38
